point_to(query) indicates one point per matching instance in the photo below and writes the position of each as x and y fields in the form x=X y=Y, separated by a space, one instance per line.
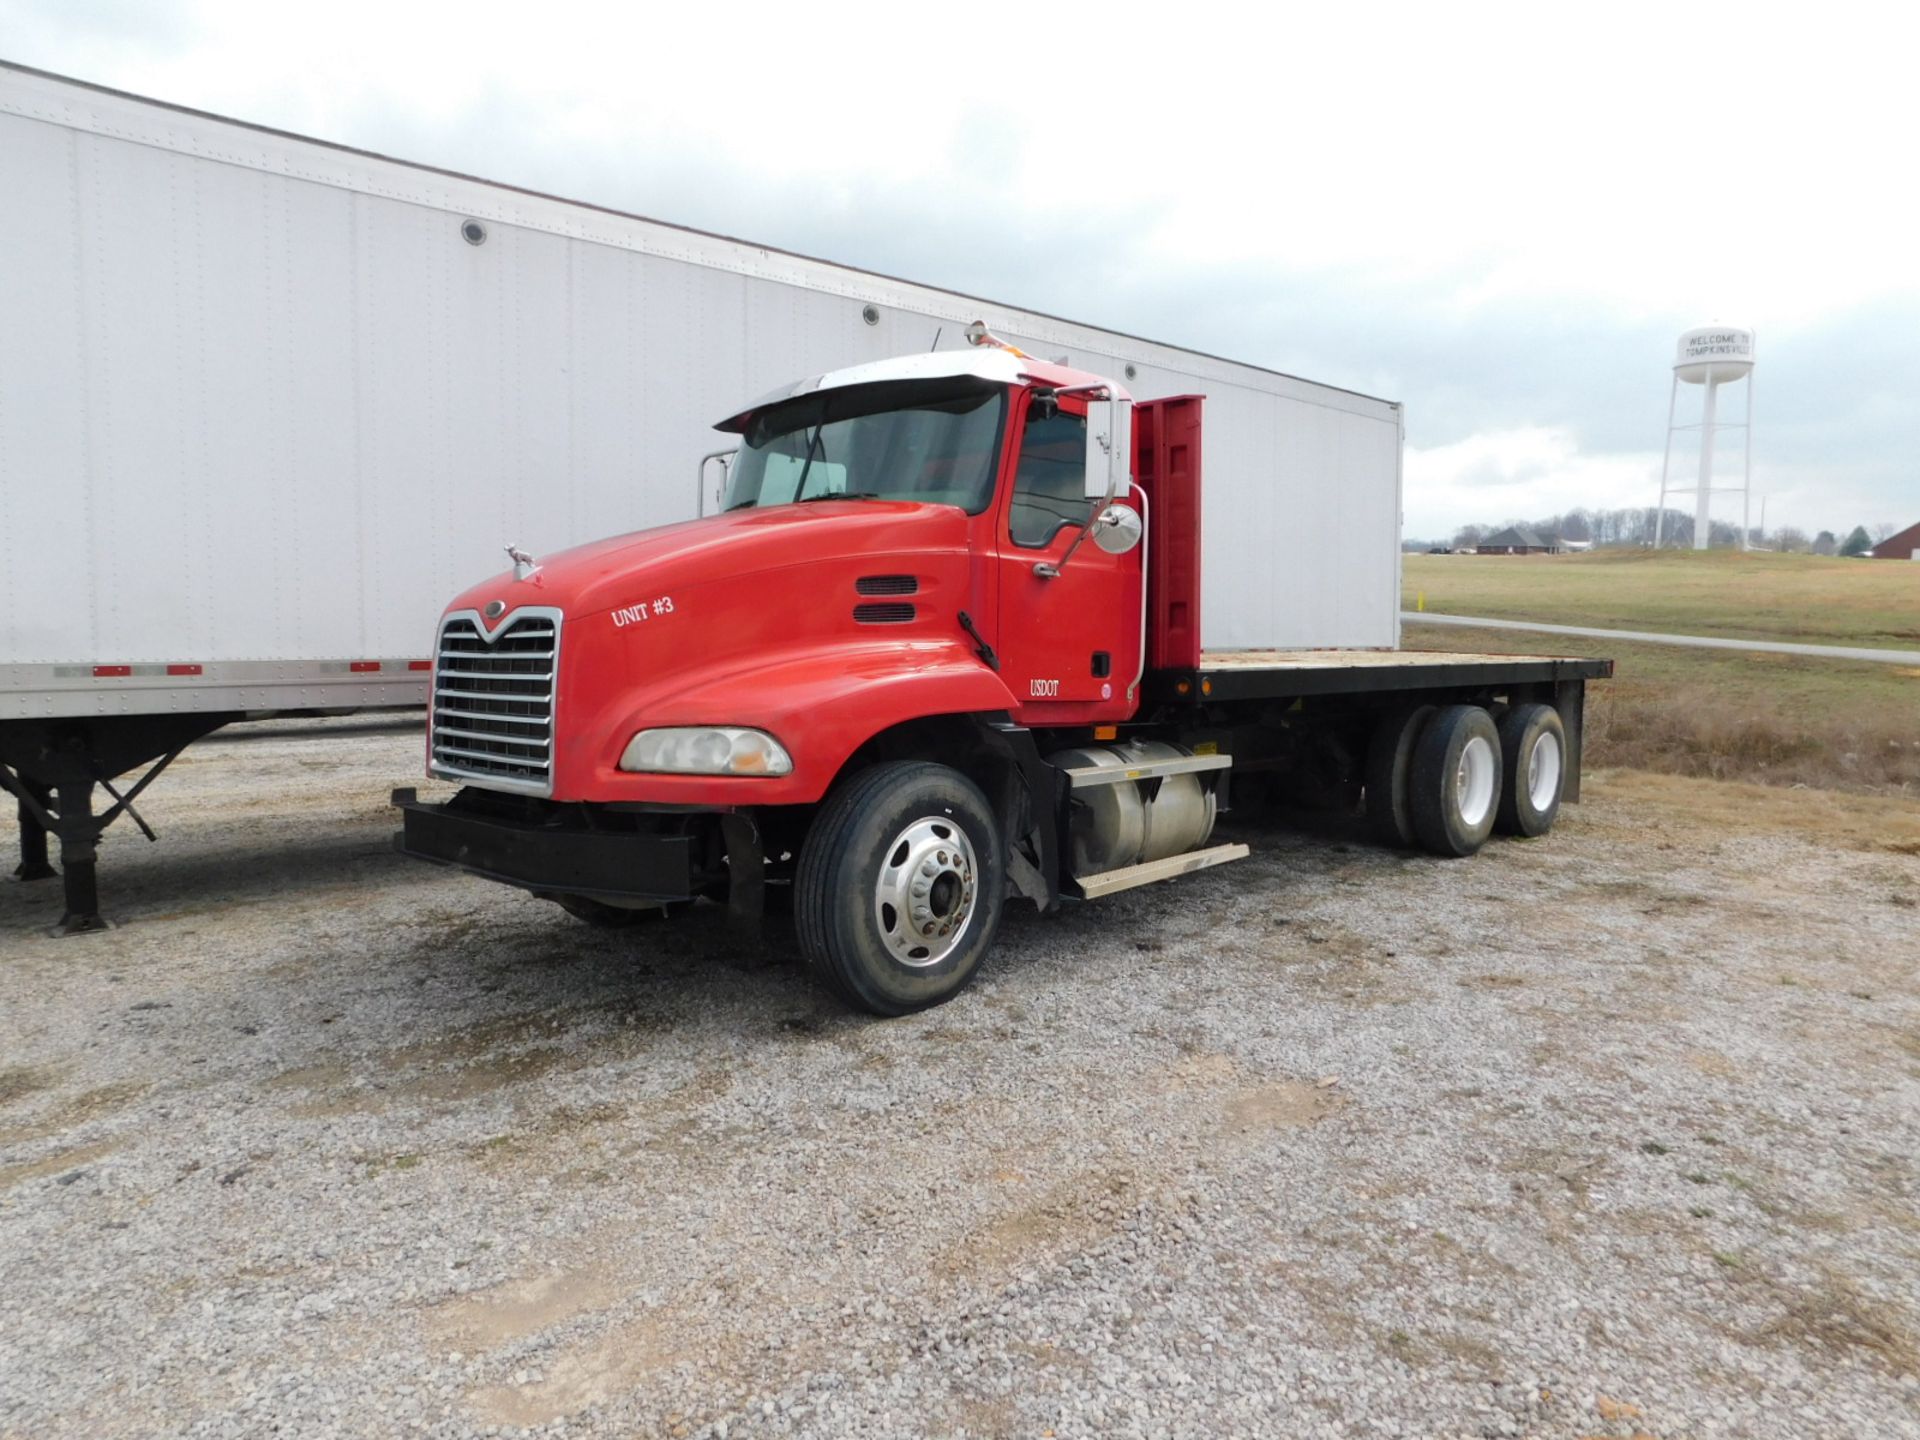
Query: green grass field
x=1781 y=719
x=1806 y=598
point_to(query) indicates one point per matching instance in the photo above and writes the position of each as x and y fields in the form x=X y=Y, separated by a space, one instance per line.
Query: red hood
x=603 y=575
x=754 y=618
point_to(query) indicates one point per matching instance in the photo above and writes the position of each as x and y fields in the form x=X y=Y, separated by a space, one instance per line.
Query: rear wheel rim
x=1474 y=780
x=1543 y=771
x=925 y=895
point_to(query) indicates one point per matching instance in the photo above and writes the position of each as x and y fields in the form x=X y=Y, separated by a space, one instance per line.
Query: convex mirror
x=1118 y=529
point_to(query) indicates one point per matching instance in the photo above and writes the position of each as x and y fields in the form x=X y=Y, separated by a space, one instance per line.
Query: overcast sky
x=1503 y=219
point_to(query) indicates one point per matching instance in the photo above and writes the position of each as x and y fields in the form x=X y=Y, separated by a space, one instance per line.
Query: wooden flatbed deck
x=1348 y=659
x=1287 y=674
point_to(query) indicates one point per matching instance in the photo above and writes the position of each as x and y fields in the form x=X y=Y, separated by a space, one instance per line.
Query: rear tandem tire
x=1533 y=769
x=900 y=887
x=1453 y=788
x=1389 y=758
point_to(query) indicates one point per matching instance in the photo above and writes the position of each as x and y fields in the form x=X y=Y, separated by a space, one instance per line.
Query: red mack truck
x=940 y=647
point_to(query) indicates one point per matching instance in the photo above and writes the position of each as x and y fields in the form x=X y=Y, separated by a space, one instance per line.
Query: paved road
x=1704 y=642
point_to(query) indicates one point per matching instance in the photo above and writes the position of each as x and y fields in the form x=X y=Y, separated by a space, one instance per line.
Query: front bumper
x=548 y=849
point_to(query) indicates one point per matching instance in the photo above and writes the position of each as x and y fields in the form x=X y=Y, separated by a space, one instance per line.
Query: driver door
x=1070 y=645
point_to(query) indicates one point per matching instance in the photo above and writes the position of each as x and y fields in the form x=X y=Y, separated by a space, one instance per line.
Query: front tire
x=900 y=888
x=1454 y=785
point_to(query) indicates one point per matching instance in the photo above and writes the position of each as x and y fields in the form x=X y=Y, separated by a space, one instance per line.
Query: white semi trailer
x=265 y=402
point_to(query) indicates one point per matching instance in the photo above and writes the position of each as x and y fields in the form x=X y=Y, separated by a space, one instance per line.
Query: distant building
x=1517 y=540
x=1904 y=546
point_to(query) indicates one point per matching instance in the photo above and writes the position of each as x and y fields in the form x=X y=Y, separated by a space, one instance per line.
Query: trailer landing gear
x=33 y=835
x=52 y=769
x=67 y=811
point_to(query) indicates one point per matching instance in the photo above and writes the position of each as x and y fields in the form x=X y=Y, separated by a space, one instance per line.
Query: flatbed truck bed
x=1316 y=684
x=1280 y=674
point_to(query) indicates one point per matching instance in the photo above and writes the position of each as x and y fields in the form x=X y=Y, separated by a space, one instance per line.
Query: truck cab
x=900 y=675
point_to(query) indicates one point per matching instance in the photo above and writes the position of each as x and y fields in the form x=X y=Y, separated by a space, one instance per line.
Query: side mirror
x=1118 y=529
x=1109 y=448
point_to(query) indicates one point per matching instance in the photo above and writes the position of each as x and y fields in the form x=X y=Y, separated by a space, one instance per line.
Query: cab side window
x=1048 y=492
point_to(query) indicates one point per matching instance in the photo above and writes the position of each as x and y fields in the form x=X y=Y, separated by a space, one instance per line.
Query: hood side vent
x=887 y=585
x=891 y=614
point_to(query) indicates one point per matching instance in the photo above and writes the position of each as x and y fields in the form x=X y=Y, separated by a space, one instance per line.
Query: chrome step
x=1092 y=887
x=1081 y=775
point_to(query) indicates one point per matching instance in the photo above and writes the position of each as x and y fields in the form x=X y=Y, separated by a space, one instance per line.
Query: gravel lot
x=1610 y=1134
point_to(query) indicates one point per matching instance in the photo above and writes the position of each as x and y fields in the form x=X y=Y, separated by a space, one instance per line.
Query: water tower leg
x=1703 y=500
x=1746 y=472
x=1666 y=462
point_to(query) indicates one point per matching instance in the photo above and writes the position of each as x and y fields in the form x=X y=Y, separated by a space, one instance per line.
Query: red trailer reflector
x=419 y=664
x=183 y=670
x=107 y=672
x=363 y=667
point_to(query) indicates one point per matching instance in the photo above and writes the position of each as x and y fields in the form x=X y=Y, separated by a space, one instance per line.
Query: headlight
x=706 y=750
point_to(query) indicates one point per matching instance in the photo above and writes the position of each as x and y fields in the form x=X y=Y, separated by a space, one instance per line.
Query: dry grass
x=1804 y=598
x=1832 y=1318
x=1776 y=719
x=1681 y=811
x=1693 y=730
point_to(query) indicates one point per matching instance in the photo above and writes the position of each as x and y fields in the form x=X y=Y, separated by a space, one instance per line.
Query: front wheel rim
x=1475 y=780
x=1543 y=771
x=927 y=890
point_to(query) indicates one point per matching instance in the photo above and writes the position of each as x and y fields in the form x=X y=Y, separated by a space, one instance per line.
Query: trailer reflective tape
x=256 y=671
x=121 y=672
x=41 y=691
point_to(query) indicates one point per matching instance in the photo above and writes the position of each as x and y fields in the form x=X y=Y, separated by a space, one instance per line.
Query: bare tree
x=1882 y=529
x=1791 y=540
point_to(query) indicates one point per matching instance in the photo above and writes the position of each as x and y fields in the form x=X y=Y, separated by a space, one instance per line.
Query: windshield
x=930 y=440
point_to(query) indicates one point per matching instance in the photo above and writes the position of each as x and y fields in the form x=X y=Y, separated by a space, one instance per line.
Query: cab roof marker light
x=978 y=334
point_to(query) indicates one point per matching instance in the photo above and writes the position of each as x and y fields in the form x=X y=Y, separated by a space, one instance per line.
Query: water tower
x=1710 y=357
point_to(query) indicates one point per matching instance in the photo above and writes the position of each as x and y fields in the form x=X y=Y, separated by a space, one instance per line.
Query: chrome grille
x=493 y=700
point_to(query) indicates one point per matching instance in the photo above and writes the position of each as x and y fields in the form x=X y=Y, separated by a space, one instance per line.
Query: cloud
x=1503 y=222
x=1526 y=474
